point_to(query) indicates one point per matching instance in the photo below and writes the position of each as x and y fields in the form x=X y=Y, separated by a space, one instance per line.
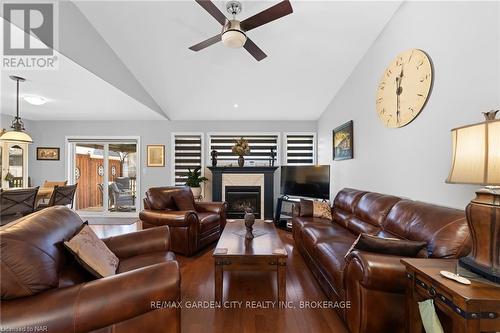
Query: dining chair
x=62 y=195
x=16 y=203
x=53 y=184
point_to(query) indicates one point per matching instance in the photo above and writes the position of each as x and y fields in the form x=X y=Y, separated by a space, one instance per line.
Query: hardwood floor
x=197 y=285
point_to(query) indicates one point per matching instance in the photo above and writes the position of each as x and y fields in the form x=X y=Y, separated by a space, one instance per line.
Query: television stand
x=284 y=212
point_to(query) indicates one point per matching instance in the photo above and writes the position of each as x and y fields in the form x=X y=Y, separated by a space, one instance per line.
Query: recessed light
x=35 y=100
x=235 y=105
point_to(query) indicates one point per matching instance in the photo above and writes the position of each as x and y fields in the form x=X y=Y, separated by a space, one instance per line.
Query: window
x=260 y=147
x=107 y=172
x=187 y=148
x=300 y=148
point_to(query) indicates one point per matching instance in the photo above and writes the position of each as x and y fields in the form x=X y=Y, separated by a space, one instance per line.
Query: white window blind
x=300 y=148
x=260 y=147
x=187 y=155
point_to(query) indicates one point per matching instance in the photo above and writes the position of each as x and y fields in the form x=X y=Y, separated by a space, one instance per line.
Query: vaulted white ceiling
x=310 y=55
x=72 y=93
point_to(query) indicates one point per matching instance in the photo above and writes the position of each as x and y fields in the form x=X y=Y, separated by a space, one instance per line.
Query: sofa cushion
x=92 y=253
x=341 y=216
x=306 y=208
x=392 y=246
x=73 y=273
x=144 y=260
x=370 y=211
x=302 y=222
x=208 y=221
x=328 y=231
x=343 y=204
x=160 y=198
x=320 y=209
x=347 y=198
x=315 y=234
x=330 y=257
x=38 y=240
x=184 y=199
x=444 y=229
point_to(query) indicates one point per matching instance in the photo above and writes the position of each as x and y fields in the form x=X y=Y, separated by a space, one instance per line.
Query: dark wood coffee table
x=265 y=252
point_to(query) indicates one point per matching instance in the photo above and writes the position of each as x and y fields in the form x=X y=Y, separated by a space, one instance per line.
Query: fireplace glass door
x=241 y=197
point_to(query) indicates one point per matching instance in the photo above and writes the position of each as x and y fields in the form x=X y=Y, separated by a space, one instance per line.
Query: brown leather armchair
x=193 y=225
x=374 y=283
x=43 y=288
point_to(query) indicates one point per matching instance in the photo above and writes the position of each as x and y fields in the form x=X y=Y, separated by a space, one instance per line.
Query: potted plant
x=194 y=179
x=241 y=148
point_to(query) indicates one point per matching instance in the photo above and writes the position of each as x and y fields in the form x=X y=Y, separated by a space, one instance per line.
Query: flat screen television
x=306 y=181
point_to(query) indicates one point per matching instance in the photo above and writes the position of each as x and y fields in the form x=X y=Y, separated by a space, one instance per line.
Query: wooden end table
x=470 y=308
x=265 y=252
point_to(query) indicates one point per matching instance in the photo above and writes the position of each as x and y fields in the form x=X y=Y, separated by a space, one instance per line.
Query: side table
x=461 y=308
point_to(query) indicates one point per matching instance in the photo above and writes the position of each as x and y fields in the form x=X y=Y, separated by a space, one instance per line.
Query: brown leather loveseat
x=193 y=225
x=45 y=290
x=374 y=283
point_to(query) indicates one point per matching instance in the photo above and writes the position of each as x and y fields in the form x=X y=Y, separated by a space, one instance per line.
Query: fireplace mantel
x=253 y=169
x=268 y=193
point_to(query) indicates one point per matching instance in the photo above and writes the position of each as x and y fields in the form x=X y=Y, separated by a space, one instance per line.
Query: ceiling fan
x=234 y=31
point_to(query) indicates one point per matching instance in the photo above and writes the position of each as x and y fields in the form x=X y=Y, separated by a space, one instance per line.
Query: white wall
x=53 y=133
x=463 y=41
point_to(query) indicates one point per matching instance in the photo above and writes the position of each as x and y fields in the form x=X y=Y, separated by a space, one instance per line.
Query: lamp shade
x=16 y=136
x=476 y=154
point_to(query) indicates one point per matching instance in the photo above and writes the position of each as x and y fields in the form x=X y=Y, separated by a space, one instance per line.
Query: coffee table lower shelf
x=250 y=264
x=263 y=253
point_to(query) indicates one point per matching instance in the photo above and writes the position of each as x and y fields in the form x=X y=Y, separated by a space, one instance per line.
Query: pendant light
x=18 y=133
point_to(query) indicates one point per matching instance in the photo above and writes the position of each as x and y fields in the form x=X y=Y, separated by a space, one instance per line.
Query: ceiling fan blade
x=272 y=13
x=254 y=50
x=213 y=10
x=206 y=43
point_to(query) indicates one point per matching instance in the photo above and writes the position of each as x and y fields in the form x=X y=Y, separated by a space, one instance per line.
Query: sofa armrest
x=219 y=208
x=376 y=271
x=140 y=242
x=97 y=304
x=211 y=207
x=172 y=218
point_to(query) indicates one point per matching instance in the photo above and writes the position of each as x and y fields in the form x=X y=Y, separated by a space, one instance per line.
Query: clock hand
x=399 y=90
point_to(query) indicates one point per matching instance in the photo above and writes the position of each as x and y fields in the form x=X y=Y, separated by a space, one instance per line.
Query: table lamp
x=476 y=160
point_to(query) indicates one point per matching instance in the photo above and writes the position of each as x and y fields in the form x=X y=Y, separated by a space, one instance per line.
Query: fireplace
x=258 y=176
x=239 y=198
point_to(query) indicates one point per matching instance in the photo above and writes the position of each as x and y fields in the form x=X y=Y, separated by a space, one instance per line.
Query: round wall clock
x=404 y=88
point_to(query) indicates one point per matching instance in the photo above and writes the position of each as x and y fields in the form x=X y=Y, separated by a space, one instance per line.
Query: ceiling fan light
x=234 y=39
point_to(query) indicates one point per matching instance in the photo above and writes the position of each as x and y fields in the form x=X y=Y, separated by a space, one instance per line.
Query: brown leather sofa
x=44 y=289
x=374 y=283
x=193 y=225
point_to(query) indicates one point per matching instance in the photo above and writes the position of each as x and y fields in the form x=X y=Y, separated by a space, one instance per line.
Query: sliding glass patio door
x=107 y=172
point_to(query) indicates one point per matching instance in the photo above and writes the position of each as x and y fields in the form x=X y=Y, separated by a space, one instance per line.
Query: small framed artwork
x=156 y=156
x=343 y=142
x=48 y=153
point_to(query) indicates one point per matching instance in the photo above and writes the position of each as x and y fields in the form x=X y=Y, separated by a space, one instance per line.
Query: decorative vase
x=241 y=161
x=213 y=153
x=249 y=221
x=196 y=192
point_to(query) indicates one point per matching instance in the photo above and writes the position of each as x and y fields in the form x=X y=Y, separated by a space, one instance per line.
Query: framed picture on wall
x=343 y=142
x=156 y=156
x=48 y=153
